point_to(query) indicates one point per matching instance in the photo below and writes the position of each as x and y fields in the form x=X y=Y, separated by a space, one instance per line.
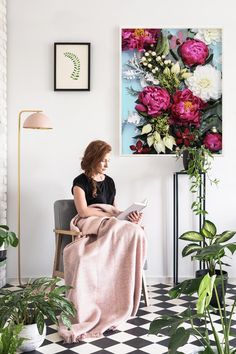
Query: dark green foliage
x=9 y=339
x=40 y=299
x=211 y=250
x=212 y=247
x=8 y=238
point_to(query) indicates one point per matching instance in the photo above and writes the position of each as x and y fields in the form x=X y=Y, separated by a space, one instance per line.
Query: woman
x=104 y=268
x=94 y=186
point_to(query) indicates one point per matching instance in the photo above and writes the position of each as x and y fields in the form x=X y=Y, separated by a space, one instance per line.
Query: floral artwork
x=171 y=94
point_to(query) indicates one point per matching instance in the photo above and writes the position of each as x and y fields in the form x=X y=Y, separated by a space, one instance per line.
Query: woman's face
x=103 y=165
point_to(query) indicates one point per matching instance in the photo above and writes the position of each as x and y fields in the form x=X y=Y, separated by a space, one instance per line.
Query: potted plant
x=212 y=246
x=7 y=238
x=41 y=299
x=205 y=286
x=10 y=339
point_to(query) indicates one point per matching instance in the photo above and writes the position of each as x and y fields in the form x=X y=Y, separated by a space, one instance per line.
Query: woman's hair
x=93 y=155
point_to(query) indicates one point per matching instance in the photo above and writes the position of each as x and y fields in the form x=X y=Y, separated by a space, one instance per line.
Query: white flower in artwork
x=133 y=118
x=148 y=79
x=205 y=82
x=209 y=35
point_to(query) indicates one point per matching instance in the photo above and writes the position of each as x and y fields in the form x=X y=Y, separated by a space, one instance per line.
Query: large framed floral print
x=171 y=90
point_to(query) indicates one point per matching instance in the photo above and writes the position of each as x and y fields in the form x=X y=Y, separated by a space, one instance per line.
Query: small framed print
x=71 y=66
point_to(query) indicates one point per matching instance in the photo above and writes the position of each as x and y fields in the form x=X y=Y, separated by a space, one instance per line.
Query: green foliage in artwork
x=76 y=62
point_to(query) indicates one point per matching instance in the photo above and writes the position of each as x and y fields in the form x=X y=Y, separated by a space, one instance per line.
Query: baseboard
x=169 y=280
x=149 y=279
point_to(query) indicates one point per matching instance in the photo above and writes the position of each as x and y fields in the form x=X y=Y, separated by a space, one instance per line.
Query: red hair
x=93 y=155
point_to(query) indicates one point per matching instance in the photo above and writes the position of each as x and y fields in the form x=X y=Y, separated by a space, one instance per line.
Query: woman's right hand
x=135 y=217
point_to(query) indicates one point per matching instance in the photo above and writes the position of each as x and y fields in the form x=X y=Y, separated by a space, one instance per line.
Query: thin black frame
x=55 y=66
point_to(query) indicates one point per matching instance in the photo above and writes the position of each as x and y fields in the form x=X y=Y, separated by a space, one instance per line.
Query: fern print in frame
x=76 y=63
x=71 y=66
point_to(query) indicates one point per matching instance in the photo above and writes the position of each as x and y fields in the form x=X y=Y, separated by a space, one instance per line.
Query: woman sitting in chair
x=93 y=186
x=105 y=266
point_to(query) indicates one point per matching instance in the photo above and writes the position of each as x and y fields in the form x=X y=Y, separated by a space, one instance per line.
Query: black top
x=106 y=189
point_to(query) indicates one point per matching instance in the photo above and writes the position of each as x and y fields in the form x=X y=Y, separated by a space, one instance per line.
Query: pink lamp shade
x=37 y=121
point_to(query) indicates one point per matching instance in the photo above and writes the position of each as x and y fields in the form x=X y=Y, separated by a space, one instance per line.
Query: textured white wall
x=50 y=160
x=3 y=112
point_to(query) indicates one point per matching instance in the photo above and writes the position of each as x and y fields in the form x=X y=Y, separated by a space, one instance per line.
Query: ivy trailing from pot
x=197 y=161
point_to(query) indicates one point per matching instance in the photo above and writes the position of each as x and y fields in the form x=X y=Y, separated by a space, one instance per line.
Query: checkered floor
x=132 y=336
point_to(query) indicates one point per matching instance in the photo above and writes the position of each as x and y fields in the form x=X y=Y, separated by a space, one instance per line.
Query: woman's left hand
x=135 y=217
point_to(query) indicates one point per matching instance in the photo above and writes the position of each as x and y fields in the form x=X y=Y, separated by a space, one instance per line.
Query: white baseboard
x=169 y=280
x=149 y=279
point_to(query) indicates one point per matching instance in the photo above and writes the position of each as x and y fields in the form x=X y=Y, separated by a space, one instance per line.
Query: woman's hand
x=135 y=217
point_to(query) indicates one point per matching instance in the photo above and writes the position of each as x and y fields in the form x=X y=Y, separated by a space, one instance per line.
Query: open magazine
x=136 y=206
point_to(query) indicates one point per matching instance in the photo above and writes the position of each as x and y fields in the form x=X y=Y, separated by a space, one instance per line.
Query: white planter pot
x=34 y=339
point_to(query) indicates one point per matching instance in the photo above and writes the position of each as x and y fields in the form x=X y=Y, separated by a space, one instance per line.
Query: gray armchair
x=64 y=211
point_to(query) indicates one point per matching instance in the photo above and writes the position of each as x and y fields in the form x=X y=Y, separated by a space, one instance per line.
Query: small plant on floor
x=205 y=287
x=41 y=299
x=10 y=340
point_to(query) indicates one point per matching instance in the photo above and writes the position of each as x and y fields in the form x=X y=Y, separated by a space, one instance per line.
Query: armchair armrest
x=68 y=232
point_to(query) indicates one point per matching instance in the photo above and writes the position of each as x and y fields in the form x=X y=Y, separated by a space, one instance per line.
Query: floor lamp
x=36 y=120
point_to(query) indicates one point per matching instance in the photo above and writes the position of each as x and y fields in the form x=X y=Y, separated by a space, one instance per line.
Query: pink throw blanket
x=105 y=271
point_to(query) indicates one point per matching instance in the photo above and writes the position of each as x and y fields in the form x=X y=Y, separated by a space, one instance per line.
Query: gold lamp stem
x=19 y=194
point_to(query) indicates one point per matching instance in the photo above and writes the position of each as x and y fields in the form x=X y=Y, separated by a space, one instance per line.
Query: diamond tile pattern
x=132 y=336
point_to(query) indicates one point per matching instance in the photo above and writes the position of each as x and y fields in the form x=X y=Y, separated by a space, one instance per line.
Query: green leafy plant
x=10 y=340
x=205 y=287
x=8 y=238
x=41 y=299
x=199 y=160
x=212 y=246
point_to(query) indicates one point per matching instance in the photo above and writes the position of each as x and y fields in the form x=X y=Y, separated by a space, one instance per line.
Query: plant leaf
x=210 y=227
x=225 y=236
x=179 y=339
x=231 y=247
x=160 y=323
x=5 y=227
x=187 y=287
x=205 y=293
x=40 y=322
x=191 y=236
x=206 y=233
x=192 y=247
x=13 y=240
x=66 y=321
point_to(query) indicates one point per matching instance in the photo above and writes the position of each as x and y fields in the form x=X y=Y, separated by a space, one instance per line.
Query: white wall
x=3 y=112
x=50 y=160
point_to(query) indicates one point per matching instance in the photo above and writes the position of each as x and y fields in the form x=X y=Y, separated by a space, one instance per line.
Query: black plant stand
x=202 y=195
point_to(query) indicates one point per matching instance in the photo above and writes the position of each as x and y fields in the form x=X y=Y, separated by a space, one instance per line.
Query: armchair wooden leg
x=144 y=290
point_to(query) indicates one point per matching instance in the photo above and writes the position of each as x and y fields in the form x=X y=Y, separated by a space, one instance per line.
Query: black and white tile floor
x=132 y=336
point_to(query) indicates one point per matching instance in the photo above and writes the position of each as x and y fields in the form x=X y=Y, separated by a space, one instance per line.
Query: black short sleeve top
x=106 y=189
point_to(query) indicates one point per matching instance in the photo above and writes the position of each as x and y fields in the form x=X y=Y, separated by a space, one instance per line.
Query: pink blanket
x=105 y=271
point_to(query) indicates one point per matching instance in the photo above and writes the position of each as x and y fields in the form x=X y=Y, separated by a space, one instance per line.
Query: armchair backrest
x=64 y=211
